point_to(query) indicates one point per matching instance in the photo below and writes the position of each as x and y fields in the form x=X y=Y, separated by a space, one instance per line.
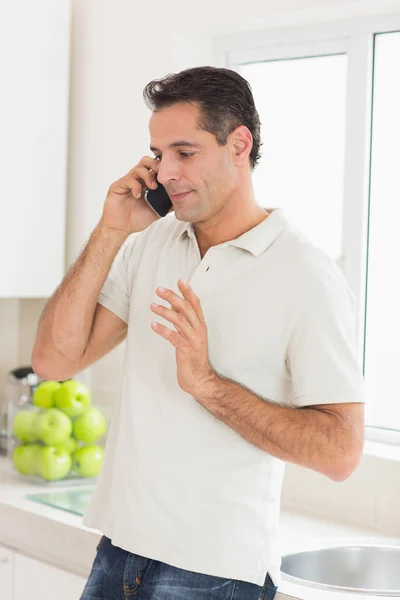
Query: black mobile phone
x=158 y=199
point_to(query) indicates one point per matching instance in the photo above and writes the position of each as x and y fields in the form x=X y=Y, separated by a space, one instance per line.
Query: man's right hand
x=125 y=208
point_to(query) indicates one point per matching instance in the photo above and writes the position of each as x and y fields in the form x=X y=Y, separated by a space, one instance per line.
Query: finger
x=144 y=175
x=191 y=297
x=182 y=325
x=172 y=336
x=138 y=186
x=180 y=305
x=150 y=163
x=132 y=182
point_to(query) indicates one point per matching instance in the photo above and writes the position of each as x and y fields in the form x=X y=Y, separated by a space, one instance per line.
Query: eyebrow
x=176 y=144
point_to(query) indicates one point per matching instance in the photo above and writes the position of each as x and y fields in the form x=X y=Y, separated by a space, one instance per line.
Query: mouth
x=179 y=196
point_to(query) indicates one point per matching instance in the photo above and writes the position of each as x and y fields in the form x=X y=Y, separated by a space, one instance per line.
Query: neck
x=212 y=234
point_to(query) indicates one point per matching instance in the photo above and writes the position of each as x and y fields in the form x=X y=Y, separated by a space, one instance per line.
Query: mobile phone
x=158 y=199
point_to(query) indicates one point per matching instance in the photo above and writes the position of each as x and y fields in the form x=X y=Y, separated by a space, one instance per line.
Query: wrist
x=207 y=392
x=114 y=237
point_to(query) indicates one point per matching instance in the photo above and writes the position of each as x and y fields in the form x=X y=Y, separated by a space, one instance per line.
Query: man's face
x=191 y=161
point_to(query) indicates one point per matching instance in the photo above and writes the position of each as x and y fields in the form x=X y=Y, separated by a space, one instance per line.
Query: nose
x=167 y=172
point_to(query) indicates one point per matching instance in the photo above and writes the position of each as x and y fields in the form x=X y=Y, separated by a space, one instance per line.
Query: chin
x=186 y=214
x=184 y=218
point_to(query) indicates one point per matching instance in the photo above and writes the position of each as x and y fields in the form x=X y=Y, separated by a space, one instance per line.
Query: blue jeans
x=120 y=575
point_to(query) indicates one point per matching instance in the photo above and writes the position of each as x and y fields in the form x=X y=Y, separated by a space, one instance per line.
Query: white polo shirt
x=177 y=485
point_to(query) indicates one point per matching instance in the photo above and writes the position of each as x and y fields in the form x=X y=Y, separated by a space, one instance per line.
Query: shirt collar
x=256 y=240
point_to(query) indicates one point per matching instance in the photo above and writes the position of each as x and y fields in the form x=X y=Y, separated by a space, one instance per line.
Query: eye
x=186 y=154
x=158 y=157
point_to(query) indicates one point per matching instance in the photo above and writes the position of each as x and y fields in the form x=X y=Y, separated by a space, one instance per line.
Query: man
x=240 y=355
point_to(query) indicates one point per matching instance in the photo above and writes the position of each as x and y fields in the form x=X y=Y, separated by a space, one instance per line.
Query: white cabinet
x=22 y=577
x=6 y=573
x=38 y=581
x=34 y=67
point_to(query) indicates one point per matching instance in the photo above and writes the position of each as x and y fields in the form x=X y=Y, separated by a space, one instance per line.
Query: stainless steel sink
x=373 y=570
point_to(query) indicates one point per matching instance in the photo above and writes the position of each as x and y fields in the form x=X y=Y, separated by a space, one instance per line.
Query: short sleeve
x=322 y=354
x=115 y=293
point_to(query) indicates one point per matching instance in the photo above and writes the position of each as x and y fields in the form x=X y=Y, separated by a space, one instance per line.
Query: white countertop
x=59 y=538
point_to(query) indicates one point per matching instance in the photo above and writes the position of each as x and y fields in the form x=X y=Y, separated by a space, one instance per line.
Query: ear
x=242 y=143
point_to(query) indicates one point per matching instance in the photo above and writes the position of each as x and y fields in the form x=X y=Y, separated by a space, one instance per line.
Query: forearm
x=312 y=438
x=66 y=321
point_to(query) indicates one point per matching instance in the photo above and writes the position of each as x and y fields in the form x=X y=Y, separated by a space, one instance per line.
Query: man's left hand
x=189 y=337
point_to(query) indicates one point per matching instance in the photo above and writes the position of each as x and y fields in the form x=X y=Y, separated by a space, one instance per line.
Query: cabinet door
x=39 y=581
x=34 y=67
x=6 y=574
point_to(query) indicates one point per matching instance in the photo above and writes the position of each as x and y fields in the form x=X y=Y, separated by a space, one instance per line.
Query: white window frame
x=354 y=37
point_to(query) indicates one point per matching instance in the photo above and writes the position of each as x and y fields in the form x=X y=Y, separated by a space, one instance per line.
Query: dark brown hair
x=224 y=97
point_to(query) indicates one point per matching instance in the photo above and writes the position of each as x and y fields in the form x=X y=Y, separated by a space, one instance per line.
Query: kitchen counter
x=59 y=538
x=49 y=534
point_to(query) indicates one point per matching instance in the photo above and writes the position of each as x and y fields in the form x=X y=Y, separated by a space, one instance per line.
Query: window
x=302 y=108
x=382 y=323
x=328 y=98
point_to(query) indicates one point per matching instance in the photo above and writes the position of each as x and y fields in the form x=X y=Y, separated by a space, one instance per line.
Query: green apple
x=87 y=460
x=90 y=426
x=73 y=397
x=43 y=395
x=69 y=445
x=53 y=426
x=26 y=458
x=24 y=425
x=54 y=463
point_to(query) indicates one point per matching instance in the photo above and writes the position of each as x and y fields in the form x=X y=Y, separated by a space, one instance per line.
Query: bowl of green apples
x=59 y=436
